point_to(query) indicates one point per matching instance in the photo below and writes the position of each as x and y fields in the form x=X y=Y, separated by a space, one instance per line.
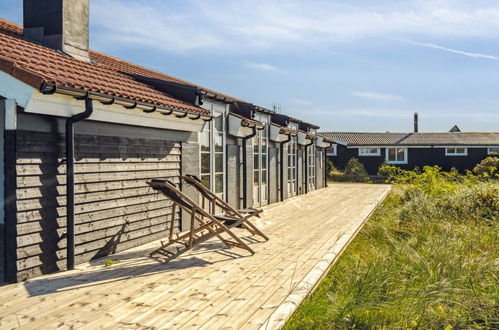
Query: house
x=460 y=150
x=83 y=131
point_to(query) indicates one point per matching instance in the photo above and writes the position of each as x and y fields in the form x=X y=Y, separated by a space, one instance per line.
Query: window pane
x=219 y=142
x=400 y=155
x=205 y=180
x=451 y=150
x=205 y=140
x=256 y=178
x=219 y=183
x=392 y=155
x=219 y=123
x=205 y=163
x=374 y=151
x=264 y=161
x=256 y=164
x=264 y=177
x=219 y=162
x=460 y=151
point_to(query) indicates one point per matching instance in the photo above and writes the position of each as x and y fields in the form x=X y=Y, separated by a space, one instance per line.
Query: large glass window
x=456 y=151
x=212 y=140
x=260 y=167
x=292 y=145
x=396 y=155
x=311 y=167
x=369 y=151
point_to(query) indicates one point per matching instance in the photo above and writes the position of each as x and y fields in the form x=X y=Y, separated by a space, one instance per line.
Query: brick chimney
x=59 y=24
x=416 y=122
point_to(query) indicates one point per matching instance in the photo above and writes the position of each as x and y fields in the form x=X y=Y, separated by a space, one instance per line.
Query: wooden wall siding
x=114 y=208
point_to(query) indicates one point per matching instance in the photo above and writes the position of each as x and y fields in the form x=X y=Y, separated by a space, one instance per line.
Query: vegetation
x=354 y=172
x=110 y=262
x=427 y=259
x=489 y=167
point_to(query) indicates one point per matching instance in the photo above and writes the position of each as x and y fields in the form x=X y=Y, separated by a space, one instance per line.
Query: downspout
x=325 y=168
x=70 y=231
x=282 y=166
x=245 y=167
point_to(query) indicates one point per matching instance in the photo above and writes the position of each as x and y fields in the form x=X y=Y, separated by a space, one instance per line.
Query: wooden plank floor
x=211 y=287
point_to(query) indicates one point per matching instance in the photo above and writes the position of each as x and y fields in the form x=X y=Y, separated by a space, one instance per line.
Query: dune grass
x=427 y=258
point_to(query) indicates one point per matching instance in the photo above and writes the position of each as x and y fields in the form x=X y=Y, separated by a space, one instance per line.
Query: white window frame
x=405 y=161
x=369 y=154
x=217 y=110
x=489 y=152
x=447 y=153
x=335 y=150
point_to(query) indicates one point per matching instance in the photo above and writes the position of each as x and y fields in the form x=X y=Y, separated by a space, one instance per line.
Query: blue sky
x=346 y=65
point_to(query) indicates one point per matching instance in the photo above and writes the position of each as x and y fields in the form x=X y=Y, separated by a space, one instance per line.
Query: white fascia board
x=275 y=134
x=13 y=89
x=67 y=106
x=302 y=138
x=235 y=128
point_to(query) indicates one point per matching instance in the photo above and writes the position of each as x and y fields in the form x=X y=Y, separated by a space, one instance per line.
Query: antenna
x=276 y=107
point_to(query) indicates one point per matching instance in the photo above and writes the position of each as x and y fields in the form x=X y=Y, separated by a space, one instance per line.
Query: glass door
x=311 y=167
x=260 y=169
x=292 y=166
x=212 y=153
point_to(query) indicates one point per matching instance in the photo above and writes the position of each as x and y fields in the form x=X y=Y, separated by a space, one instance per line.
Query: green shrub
x=488 y=168
x=330 y=168
x=355 y=169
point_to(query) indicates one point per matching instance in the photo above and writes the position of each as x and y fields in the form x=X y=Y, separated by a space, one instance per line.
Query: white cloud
x=301 y=102
x=219 y=26
x=451 y=50
x=262 y=66
x=378 y=96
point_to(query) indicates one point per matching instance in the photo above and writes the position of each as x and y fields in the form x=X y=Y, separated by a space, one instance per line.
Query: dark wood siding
x=114 y=209
x=419 y=157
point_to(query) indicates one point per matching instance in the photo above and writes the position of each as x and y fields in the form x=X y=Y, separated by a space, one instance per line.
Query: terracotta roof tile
x=247 y=120
x=35 y=65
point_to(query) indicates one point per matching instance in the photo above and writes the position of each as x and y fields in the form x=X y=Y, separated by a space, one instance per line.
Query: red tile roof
x=285 y=130
x=36 y=65
x=250 y=122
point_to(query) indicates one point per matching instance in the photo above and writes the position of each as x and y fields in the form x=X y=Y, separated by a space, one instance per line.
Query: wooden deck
x=210 y=287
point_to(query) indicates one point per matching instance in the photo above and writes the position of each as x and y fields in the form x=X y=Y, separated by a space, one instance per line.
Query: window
x=369 y=152
x=456 y=151
x=333 y=151
x=396 y=155
x=292 y=166
x=494 y=150
x=311 y=167
x=260 y=167
x=212 y=140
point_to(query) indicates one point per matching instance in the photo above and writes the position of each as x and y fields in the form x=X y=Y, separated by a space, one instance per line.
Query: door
x=212 y=153
x=292 y=167
x=311 y=168
x=260 y=168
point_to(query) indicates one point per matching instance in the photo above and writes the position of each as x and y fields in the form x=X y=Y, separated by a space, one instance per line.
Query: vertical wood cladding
x=114 y=208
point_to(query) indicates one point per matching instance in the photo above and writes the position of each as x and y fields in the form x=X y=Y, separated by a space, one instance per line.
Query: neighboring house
x=460 y=150
x=118 y=124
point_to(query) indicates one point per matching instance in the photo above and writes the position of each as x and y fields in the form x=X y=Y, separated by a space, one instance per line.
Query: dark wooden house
x=460 y=150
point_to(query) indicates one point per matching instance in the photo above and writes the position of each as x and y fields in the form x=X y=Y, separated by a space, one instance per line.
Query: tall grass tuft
x=428 y=258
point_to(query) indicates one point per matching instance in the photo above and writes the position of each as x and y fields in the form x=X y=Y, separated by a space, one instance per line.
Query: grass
x=428 y=259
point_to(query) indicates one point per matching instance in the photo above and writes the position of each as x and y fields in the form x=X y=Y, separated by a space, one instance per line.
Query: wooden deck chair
x=229 y=214
x=204 y=225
